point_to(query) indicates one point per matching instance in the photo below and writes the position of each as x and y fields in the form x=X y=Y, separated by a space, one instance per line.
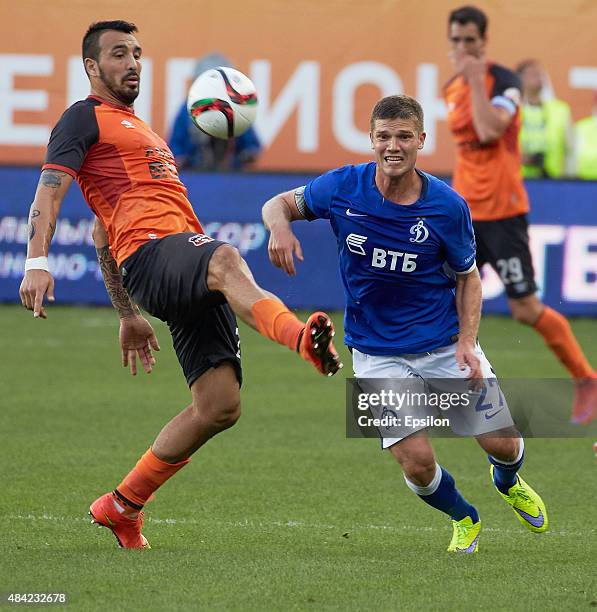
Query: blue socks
x=504 y=473
x=441 y=493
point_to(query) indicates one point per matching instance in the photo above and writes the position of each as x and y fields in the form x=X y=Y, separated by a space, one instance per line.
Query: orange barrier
x=319 y=65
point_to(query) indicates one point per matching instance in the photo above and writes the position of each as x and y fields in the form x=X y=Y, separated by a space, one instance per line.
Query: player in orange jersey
x=153 y=253
x=483 y=100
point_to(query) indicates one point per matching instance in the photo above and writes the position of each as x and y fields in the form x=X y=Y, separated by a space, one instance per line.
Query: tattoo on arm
x=51 y=178
x=113 y=281
x=34 y=213
x=50 y=234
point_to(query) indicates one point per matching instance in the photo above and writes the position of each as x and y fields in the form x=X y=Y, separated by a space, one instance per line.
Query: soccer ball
x=222 y=102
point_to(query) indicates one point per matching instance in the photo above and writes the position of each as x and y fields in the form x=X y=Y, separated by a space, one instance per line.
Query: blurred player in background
x=483 y=100
x=585 y=145
x=546 y=126
x=196 y=150
x=413 y=301
x=153 y=253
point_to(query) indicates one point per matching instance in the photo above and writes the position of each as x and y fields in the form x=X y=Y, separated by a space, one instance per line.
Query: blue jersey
x=397 y=262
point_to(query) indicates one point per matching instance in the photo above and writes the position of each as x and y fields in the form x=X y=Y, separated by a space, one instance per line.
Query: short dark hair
x=398 y=107
x=91 y=46
x=522 y=66
x=470 y=14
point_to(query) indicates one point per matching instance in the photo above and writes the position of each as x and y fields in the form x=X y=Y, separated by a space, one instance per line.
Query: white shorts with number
x=489 y=412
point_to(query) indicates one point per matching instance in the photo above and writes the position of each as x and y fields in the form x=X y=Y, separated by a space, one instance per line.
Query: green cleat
x=465 y=538
x=526 y=504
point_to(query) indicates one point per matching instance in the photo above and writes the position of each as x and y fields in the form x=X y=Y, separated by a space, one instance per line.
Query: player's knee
x=223 y=415
x=522 y=315
x=505 y=449
x=225 y=261
x=526 y=310
x=228 y=415
x=420 y=470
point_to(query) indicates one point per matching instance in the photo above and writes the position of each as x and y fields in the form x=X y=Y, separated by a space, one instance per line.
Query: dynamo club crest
x=419 y=231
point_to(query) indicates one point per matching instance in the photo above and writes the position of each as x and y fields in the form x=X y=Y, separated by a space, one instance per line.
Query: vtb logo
x=421 y=233
x=199 y=239
x=381 y=258
x=355 y=242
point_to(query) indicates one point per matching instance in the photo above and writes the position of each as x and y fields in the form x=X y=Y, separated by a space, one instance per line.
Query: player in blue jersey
x=413 y=302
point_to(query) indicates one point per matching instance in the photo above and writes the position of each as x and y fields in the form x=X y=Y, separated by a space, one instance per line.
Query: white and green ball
x=222 y=102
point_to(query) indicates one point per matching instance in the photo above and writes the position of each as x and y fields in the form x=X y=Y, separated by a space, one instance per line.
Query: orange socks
x=559 y=337
x=276 y=322
x=148 y=475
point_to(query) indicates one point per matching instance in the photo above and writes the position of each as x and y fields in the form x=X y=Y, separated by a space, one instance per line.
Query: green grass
x=282 y=511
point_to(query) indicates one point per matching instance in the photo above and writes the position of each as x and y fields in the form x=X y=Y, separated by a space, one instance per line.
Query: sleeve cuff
x=301 y=204
x=59 y=167
x=473 y=266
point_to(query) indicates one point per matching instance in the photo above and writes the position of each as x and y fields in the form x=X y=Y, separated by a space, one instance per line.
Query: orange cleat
x=316 y=346
x=584 y=409
x=126 y=530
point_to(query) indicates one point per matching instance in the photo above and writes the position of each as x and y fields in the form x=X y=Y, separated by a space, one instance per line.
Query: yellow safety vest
x=585 y=132
x=544 y=130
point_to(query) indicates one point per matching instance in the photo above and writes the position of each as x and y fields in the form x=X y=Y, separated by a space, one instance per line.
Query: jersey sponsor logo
x=153 y=236
x=200 y=239
x=354 y=242
x=421 y=233
x=354 y=214
x=127 y=124
x=382 y=259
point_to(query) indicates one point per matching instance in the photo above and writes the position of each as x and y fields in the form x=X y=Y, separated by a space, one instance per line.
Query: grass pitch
x=281 y=512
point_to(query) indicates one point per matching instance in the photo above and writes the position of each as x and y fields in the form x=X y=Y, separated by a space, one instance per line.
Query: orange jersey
x=126 y=172
x=487 y=175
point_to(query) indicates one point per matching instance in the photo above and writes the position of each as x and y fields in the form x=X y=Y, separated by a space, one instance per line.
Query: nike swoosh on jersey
x=490 y=416
x=353 y=214
x=535 y=521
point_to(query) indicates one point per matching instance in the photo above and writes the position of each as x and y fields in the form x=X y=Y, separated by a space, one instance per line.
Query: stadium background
x=282 y=511
x=315 y=99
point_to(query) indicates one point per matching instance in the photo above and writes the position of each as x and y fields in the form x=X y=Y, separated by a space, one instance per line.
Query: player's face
x=465 y=39
x=119 y=65
x=396 y=142
x=532 y=78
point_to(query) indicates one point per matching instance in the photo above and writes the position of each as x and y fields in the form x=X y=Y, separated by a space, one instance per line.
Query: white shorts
x=487 y=412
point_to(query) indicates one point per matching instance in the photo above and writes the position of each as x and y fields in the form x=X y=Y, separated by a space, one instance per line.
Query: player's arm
x=137 y=337
x=111 y=274
x=37 y=281
x=278 y=213
x=489 y=121
x=468 y=306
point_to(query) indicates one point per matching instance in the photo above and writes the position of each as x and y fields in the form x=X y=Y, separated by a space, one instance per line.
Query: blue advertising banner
x=563 y=241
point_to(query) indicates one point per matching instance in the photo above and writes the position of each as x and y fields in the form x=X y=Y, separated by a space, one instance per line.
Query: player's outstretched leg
x=560 y=339
x=524 y=501
x=230 y=274
x=436 y=487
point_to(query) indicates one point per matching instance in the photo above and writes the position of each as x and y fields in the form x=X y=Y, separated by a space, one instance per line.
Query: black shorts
x=168 y=279
x=504 y=245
